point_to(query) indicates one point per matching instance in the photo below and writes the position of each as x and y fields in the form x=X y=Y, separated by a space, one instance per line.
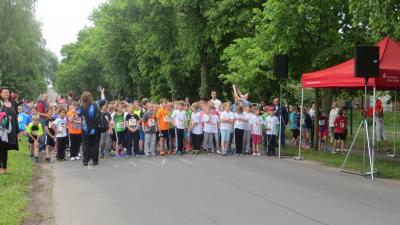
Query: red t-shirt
x=340 y=124
x=41 y=109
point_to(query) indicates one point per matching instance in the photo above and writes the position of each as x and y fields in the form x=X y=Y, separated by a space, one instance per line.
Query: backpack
x=101 y=122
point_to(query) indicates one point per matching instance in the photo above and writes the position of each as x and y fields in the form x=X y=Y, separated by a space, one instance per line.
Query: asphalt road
x=217 y=190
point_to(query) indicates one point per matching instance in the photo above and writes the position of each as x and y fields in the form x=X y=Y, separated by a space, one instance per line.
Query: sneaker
x=72 y=158
x=258 y=154
x=254 y=154
x=102 y=156
x=117 y=156
x=36 y=159
x=85 y=164
x=95 y=163
x=77 y=158
x=147 y=154
x=333 y=152
x=138 y=155
x=218 y=152
x=179 y=153
x=162 y=153
x=48 y=160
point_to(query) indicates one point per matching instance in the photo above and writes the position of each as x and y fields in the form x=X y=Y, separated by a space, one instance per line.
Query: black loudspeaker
x=366 y=61
x=280 y=67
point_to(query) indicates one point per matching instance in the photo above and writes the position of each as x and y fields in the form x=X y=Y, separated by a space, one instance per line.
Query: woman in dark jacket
x=8 y=107
x=90 y=145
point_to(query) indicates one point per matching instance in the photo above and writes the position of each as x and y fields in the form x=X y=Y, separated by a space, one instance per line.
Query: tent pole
x=394 y=126
x=299 y=157
x=395 y=121
x=373 y=117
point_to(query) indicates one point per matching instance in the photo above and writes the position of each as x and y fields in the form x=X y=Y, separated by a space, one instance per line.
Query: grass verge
x=389 y=168
x=14 y=186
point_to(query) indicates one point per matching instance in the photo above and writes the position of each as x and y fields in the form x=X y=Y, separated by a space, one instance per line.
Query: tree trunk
x=204 y=77
x=326 y=100
x=316 y=119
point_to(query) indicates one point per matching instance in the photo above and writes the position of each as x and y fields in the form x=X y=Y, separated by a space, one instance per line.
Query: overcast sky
x=62 y=19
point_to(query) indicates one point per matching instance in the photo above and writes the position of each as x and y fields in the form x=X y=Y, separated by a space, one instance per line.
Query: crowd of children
x=167 y=128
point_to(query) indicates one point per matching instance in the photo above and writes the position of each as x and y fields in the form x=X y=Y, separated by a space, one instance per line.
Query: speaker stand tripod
x=367 y=143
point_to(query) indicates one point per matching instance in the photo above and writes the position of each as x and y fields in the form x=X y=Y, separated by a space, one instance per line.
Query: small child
x=188 y=114
x=207 y=129
x=35 y=131
x=227 y=120
x=256 y=131
x=50 y=133
x=272 y=128
x=22 y=122
x=132 y=124
x=149 y=127
x=323 y=131
x=60 y=126
x=340 y=125
x=119 y=128
x=179 y=120
x=195 y=128
x=294 y=125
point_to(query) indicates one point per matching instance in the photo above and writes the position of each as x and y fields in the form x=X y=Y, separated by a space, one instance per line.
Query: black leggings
x=61 y=146
x=3 y=158
x=239 y=140
x=197 y=139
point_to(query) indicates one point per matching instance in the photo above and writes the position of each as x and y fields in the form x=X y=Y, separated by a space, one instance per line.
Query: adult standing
x=10 y=140
x=332 y=117
x=88 y=113
x=42 y=109
x=283 y=117
x=216 y=101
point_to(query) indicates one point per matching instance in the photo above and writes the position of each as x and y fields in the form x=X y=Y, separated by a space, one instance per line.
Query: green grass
x=389 y=168
x=14 y=186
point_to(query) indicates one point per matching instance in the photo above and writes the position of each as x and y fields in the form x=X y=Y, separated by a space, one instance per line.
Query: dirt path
x=41 y=204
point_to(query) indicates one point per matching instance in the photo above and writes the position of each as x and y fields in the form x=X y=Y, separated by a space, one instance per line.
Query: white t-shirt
x=196 y=119
x=227 y=116
x=217 y=104
x=247 y=116
x=61 y=127
x=333 y=114
x=179 y=117
x=256 y=122
x=272 y=125
x=210 y=123
x=239 y=124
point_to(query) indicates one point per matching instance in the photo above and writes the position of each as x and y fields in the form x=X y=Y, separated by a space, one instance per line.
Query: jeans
x=3 y=158
x=105 y=143
x=246 y=141
x=208 y=141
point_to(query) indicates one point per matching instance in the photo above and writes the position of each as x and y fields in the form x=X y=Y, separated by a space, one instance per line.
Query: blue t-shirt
x=293 y=121
x=22 y=121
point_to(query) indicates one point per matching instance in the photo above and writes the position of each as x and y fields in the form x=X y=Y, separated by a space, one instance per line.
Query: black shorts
x=171 y=132
x=163 y=134
x=341 y=136
x=120 y=137
x=49 y=141
x=296 y=133
x=30 y=140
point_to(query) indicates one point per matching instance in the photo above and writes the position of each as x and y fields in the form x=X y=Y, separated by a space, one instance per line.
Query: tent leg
x=373 y=117
x=299 y=157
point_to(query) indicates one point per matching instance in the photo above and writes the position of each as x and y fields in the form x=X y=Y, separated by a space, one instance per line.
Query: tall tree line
x=185 y=48
x=24 y=62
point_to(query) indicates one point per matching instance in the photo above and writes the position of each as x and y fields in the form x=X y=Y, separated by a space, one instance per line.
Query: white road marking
x=186 y=161
x=163 y=162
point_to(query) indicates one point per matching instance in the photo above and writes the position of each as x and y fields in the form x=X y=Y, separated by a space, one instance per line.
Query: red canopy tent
x=342 y=75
